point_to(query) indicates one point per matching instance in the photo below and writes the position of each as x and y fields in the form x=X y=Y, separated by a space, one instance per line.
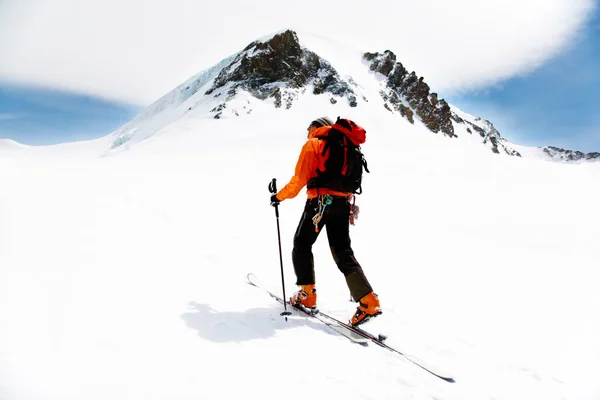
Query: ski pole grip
x=273 y=189
x=273 y=186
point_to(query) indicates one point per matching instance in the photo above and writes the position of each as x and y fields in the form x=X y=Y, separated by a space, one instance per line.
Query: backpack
x=345 y=164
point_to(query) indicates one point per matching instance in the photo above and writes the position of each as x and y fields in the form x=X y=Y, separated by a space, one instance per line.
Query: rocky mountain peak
x=280 y=69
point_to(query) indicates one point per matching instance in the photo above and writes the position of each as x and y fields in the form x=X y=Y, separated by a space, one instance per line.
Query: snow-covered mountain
x=278 y=70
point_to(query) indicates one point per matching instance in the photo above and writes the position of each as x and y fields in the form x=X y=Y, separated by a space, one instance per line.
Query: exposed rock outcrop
x=556 y=153
x=490 y=135
x=408 y=94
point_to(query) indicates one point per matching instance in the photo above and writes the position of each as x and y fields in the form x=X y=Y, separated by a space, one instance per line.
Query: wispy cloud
x=10 y=116
x=135 y=50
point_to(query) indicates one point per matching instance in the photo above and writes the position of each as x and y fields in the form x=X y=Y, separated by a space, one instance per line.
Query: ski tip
x=251 y=279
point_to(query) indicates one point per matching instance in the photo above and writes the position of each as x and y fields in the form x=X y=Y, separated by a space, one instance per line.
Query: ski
x=352 y=336
x=354 y=333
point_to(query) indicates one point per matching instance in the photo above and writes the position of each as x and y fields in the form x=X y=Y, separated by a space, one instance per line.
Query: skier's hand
x=274 y=200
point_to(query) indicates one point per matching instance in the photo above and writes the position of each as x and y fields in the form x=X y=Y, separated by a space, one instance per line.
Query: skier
x=329 y=208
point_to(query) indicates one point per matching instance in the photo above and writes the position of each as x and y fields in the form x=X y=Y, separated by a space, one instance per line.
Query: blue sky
x=44 y=117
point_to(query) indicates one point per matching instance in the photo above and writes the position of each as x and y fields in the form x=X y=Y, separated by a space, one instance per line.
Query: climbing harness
x=324 y=201
x=354 y=211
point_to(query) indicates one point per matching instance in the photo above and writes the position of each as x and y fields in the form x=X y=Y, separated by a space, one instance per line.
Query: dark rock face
x=393 y=102
x=408 y=94
x=488 y=133
x=280 y=68
x=382 y=63
x=570 y=155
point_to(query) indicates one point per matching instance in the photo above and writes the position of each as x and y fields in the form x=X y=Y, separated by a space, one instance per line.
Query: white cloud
x=137 y=50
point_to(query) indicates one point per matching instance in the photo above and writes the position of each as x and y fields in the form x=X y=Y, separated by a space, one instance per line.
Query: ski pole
x=273 y=189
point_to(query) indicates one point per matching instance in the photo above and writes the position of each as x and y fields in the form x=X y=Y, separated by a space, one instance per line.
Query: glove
x=275 y=201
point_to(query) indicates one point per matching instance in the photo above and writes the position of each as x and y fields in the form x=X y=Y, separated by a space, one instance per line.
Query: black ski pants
x=336 y=220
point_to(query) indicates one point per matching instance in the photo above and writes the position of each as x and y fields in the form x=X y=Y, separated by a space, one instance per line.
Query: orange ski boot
x=306 y=297
x=368 y=307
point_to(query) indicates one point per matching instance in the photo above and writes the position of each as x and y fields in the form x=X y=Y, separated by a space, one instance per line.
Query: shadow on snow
x=255 y=323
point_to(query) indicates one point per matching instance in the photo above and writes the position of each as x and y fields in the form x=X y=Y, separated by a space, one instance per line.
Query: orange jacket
x=306 y=168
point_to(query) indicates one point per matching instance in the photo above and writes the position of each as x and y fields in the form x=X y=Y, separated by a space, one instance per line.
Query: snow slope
x=122 y=271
